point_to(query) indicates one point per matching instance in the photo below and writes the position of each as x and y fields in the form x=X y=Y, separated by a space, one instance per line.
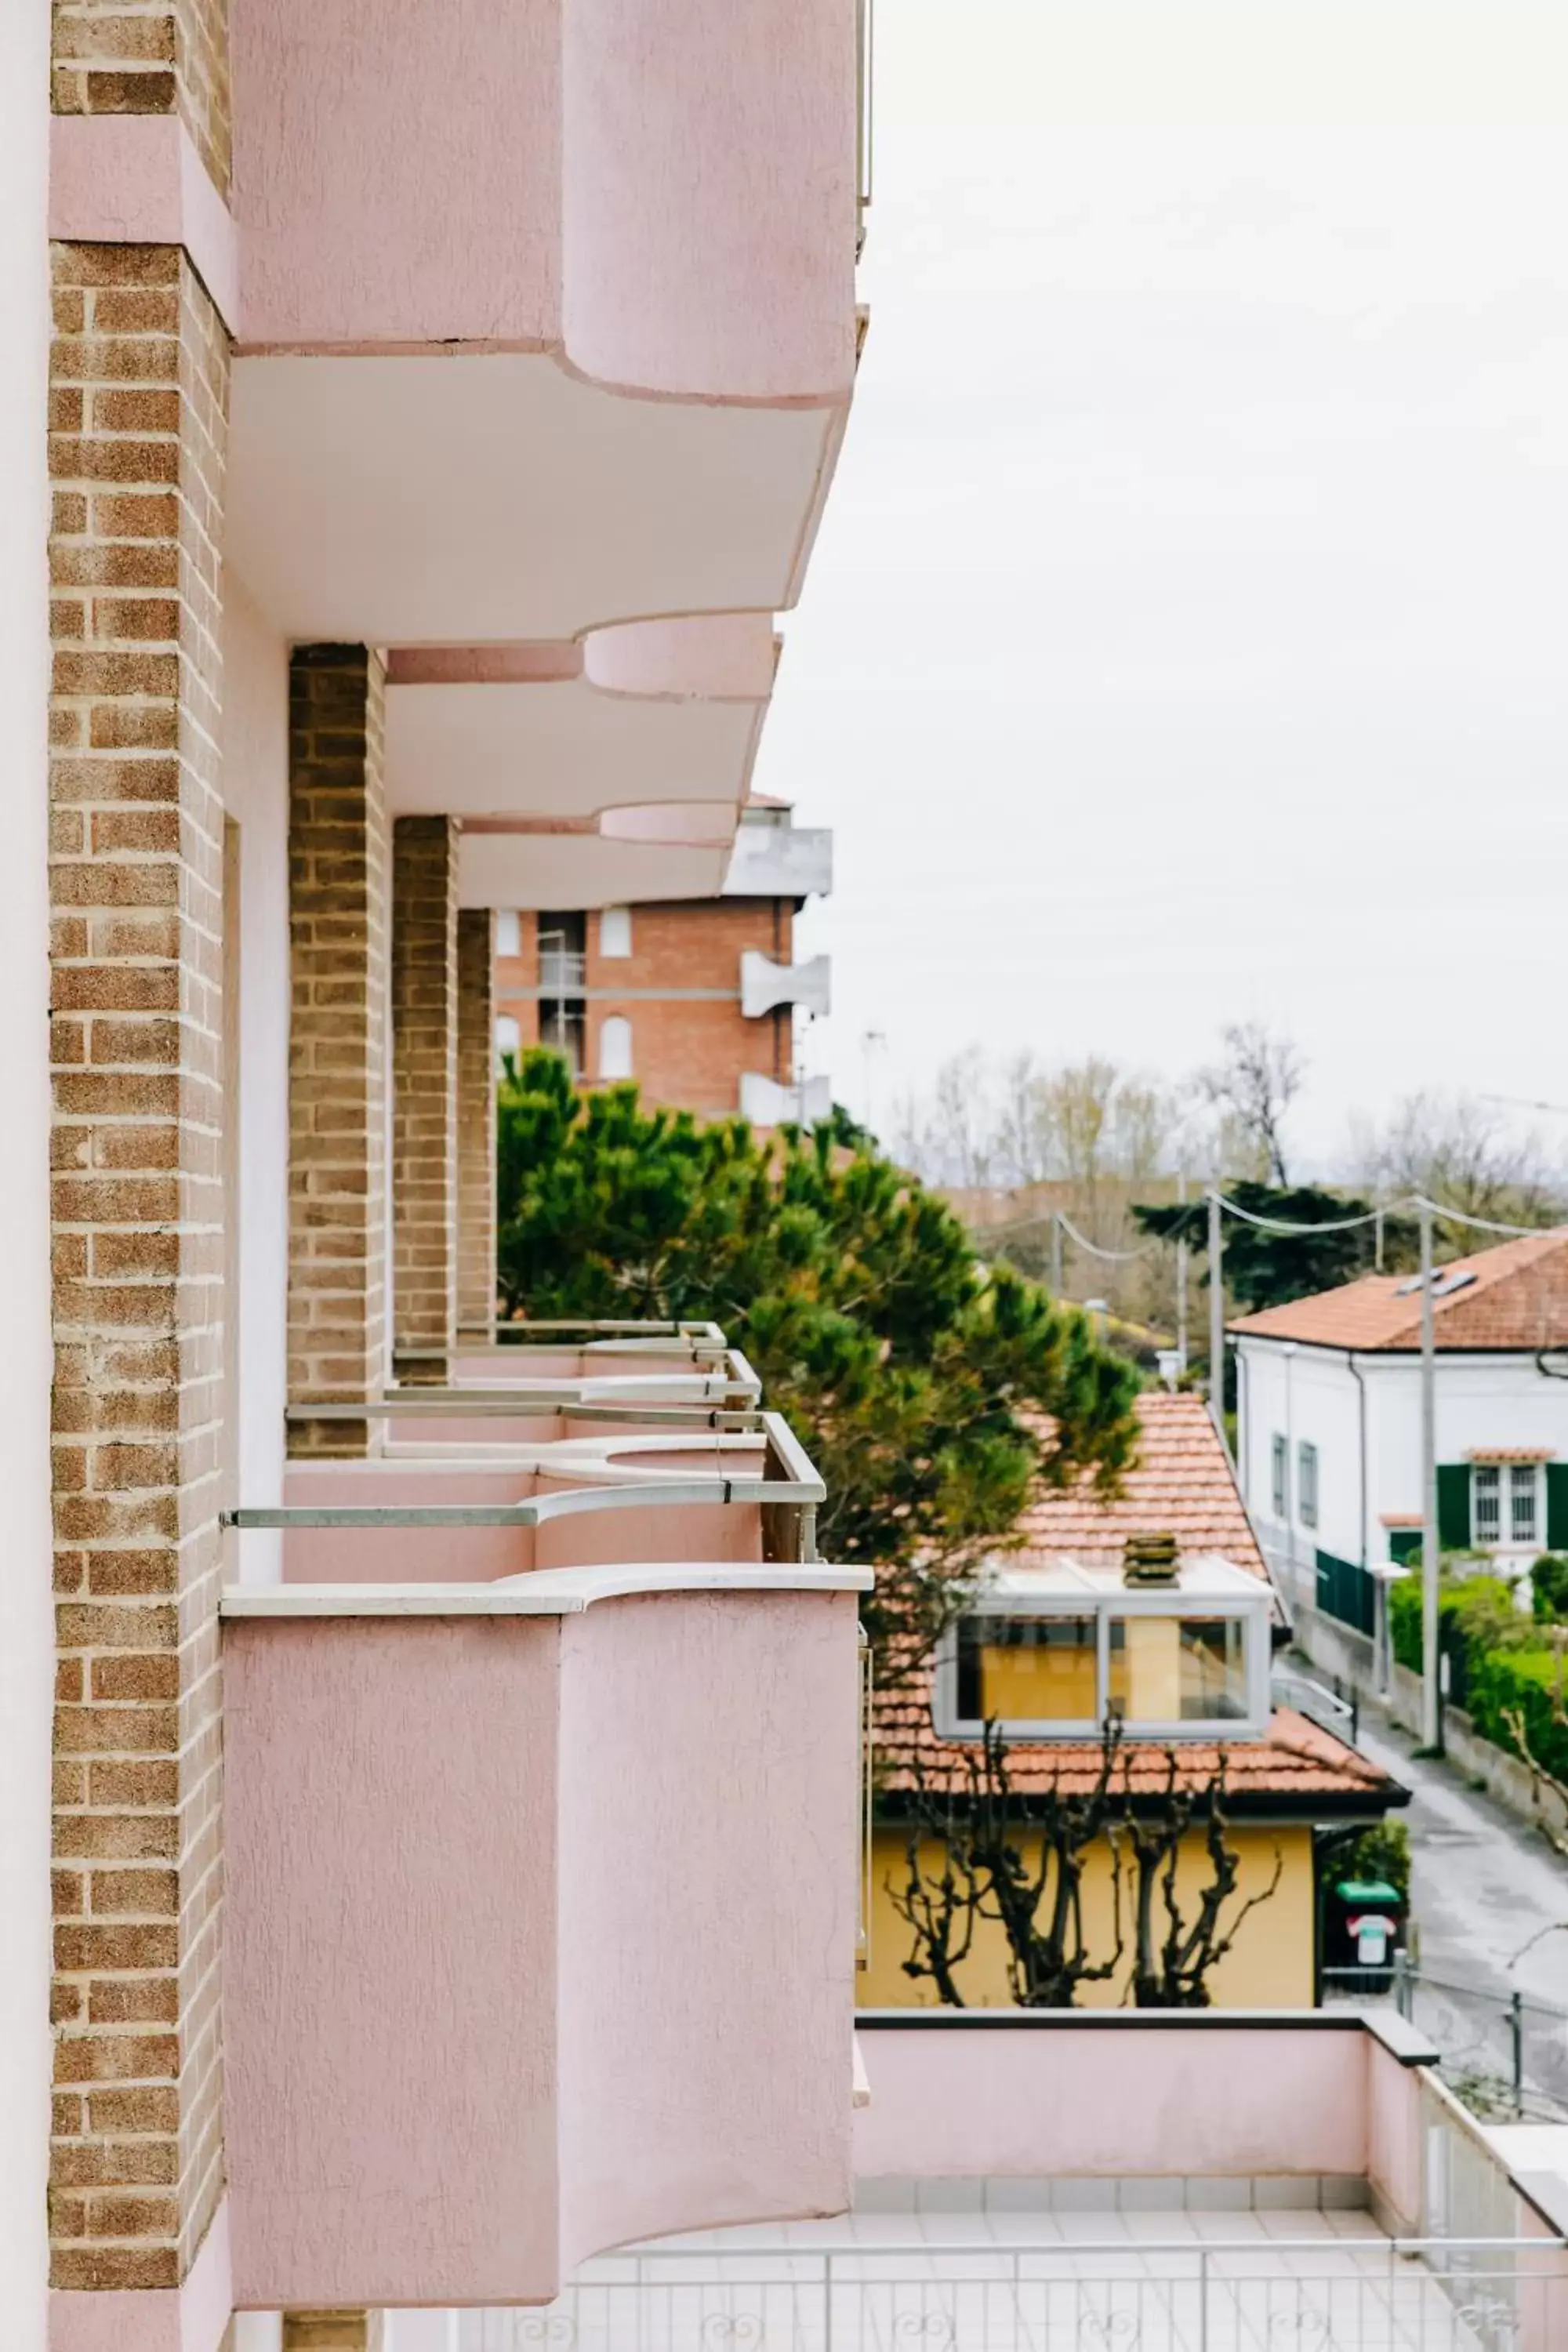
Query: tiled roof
x=1516 y=1300
x=1296 y=1759
x=1180 y=1481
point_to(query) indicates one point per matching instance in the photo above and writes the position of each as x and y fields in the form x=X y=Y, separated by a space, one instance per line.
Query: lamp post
x=1216 y=1316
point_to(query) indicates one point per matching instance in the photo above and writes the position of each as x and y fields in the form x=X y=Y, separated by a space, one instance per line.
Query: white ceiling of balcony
x=455 y=500
x=660 y=712
x=584 y=869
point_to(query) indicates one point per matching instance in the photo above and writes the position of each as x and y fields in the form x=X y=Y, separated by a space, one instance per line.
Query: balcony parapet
x=780 y=861
x=765 y=984
x=466 y=1514
x=766 y=1103
x=540 y=1929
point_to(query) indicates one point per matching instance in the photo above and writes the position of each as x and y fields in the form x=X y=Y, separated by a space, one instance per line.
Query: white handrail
x=542 y=1592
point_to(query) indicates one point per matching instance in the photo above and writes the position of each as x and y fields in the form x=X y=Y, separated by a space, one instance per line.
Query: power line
x=1412 y=1202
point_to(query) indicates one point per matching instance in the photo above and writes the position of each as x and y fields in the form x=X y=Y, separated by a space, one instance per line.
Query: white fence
x=1310 y=2295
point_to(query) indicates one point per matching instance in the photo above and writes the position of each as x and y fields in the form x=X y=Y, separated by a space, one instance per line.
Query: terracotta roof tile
x=1297 y=1759
x=1516 y=1300
x=1182 y=1480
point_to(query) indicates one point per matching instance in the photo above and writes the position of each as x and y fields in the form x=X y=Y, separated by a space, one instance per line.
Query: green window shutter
x=1454 y=1505
x=1557 y=1507
x=1402 y=1542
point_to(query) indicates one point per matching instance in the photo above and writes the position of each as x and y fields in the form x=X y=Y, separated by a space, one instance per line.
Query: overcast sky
x=1187 y=638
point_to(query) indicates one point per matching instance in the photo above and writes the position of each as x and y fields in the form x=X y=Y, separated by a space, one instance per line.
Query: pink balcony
x=511 y=1394
x=454 y=1513
x=542 y=1872
x=547 y=313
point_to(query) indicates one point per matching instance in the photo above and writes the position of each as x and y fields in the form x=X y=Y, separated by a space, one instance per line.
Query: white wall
x=259 y=2331
x=421 y=2331
x=1313 y=1395
x=256 y=792
x=1479 y=1403
x=27 y=1624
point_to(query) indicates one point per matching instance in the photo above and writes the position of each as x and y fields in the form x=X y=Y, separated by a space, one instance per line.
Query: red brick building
x=696 y=999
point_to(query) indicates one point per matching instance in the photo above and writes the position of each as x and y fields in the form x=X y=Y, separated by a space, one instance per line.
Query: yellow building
x=1067 y=1635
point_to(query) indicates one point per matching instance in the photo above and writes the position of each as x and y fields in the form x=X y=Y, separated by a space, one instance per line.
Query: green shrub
x=1549 y=1587
x=1529 y=1683
x=1476 y=1617
x=1382 y=1851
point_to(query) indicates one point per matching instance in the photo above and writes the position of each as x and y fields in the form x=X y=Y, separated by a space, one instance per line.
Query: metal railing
x=1316 y=2294
x=1504 y=2055
x=788 y=1490
x=1325 y=1706
x=563 y=971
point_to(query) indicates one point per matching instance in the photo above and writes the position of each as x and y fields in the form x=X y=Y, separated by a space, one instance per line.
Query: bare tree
x=1255 y=1080
x=951 y=1137
x=1171 y=1969
x=989 y=1868
x=981 y=1825
x=1458 y=1149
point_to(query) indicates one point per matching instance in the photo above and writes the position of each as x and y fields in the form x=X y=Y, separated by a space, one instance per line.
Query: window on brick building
x=509 y=1037
x=509 y=932
x=616 y=931
x=615 y=1047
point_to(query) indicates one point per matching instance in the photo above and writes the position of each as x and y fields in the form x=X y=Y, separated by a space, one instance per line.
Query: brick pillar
x=337 y=1055
x=424 y=1096
x=332 y=2331
x=476 y=1124
x=139 y=384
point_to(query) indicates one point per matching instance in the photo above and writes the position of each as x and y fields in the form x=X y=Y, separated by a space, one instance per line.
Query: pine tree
x=936 y=1398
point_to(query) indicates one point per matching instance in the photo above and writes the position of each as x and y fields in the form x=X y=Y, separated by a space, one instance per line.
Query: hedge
x=1476 y=1615
x=1528 y=1682
x=1498 y=1664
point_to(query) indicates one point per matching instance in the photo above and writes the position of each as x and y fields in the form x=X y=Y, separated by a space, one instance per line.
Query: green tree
x=1266 y=1269
x=935 y=1398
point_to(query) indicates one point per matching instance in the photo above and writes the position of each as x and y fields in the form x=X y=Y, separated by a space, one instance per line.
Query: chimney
x=1150 y=1559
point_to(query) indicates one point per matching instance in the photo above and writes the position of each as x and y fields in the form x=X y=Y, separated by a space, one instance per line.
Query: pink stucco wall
x=729 y=1532
x=390 y=1957
x=662 y=191
x=1114 y=2100
x=541 y=1934
x=1393 y=2139
x=729 y=656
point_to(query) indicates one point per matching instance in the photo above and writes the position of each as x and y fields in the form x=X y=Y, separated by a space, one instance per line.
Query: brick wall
x=148 y=57
x=475 y=1123
x=688 y=1052
x=425 y=1095
x=139 y=384
x=332 y=2331
x=337 y=1087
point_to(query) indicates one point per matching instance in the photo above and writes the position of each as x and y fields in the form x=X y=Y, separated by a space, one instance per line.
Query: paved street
x=1482 y=1885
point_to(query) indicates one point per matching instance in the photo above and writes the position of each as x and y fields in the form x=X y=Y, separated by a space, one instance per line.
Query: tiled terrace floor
x=1149 y=2281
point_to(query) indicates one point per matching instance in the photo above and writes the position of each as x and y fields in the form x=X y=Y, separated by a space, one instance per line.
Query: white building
x=1329 y=1393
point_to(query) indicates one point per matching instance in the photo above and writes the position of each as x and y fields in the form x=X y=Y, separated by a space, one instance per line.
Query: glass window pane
x=1487 y=1491
x=1145 y=1669
x=1027 y=1670
x=1523 y=1501
x=1213 y=1669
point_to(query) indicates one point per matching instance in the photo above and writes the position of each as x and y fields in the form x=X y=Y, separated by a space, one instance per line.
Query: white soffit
x=564 y=747
x=583 y=869
x=456 y=498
